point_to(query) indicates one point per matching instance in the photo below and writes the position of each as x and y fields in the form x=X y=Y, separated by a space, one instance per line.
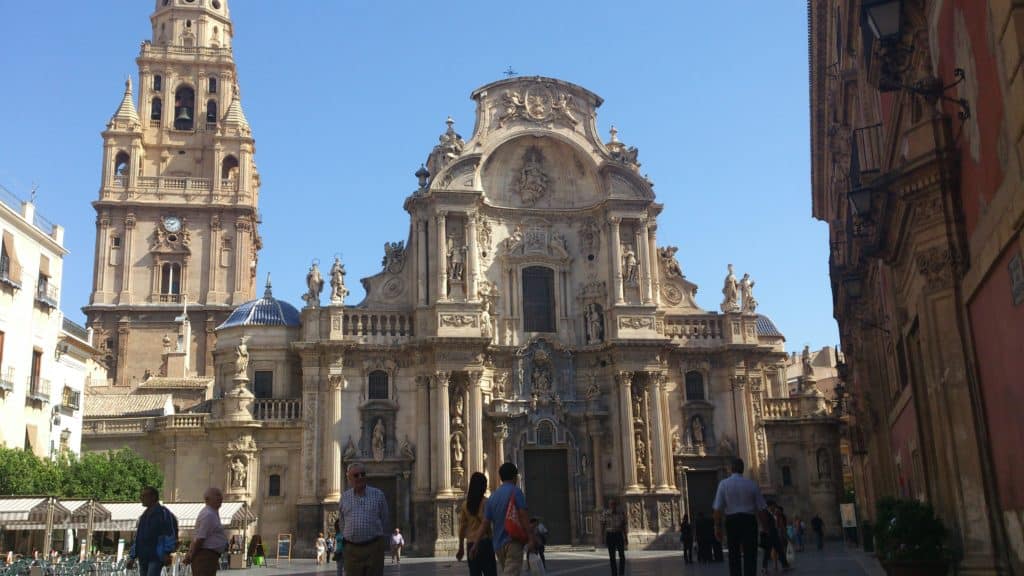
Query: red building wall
x=903 y=436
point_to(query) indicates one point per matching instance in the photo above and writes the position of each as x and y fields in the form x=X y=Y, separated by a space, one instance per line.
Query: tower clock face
x=172 y=223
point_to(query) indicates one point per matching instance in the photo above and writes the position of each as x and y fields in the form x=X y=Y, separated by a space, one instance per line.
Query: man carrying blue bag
x=156 y=535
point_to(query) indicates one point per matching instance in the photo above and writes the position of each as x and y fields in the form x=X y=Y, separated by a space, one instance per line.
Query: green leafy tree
x=24 y=474
x=110 y=476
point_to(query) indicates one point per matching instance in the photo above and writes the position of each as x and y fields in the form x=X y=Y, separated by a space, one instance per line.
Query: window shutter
x=15 y=270
x=44 y=265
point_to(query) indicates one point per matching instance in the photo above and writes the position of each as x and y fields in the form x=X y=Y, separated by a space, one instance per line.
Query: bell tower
x=176 y=217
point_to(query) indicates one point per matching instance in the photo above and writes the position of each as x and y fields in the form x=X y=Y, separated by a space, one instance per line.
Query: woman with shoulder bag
x=479 y=554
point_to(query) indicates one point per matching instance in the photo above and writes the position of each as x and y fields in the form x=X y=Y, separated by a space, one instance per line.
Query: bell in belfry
x=183 y=114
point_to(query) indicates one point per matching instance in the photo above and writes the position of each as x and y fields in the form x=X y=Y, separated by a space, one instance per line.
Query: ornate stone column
x=596 y=430
x=443 y=470
x=475 y=417
x=644 y=261
x=500 y=435
x=332 y=439
x=442 y=256
x=423 y=451
x=419 y=241
x=655 y=260
x=213 y=254
x=625 y=383
x=126 y=266
x=471 y=259
x=102 y=257
x=243 y=227
x=658 y=436
x=310 y=431
x=615 y=250
x=666 y=424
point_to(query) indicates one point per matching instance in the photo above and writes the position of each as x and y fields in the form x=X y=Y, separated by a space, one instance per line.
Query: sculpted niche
x=539 y=172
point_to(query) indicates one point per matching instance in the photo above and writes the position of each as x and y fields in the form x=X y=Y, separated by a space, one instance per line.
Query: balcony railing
x=71 y=399
x=150 y=49
x=865 y=155
x=277 y=409
x=169 y=298
x=38 y=389
x=377 y=327
x=47 y=294
x=796 y=407
x=697 y=329
x=7 y=380
x=175 y=183
x=182 y=421
x=10 y=273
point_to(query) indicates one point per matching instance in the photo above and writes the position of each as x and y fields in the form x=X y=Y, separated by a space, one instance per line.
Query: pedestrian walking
x=480 y=557
x=819 y=530
x=329 y=541
x=615 y=527
x=156 y=536
x=740 y=504
x=321 y=549
x=686 y=539
x=540 y=535
x=209 y=540
x=256 y=551
x=362 y=520
x=704 y=532
x=798 y=532
x=339 y=550
x=397 y=543
x=776 y=539
x=509 y=518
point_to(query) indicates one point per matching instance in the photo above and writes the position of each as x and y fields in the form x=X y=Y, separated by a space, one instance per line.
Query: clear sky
x=346 y=99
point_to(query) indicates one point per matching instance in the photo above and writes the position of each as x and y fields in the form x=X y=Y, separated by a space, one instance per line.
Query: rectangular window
x=37 y=368
x=1 y=348
x=263 y=384
x=10 y=267
x=787 y=476
x=538 y=299
x=274 y=485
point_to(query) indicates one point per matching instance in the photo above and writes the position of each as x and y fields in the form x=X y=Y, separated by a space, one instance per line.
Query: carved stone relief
x=669 y=263
x=458 y=320
x=636 y=322
x=590 y=237
x=394 y=257
x=540 y=104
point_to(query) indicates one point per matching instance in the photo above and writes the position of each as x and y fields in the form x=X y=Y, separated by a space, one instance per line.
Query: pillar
x=442 y=437
x=474 y=421
x=442 y=257
x=500 y=435
x=666 y=424
x=423 y=435
x=102 y=258
x=625 y=383
x=126 y=266
x=420 y=261
x=310 y=431
x=242 y=228
x=471 y=258
x=615 y=250
x=644 y=261
x=332 y=438
x=655 y=260
x=596 y=431
x=213 y=268
x=658 y=437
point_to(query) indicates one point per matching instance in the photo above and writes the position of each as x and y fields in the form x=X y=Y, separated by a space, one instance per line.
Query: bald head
x=213 y=497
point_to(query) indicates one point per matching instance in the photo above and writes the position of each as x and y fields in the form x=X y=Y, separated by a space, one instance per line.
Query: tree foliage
x=107 y=476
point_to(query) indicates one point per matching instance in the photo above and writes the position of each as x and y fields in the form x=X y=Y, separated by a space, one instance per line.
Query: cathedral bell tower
x=176 y=217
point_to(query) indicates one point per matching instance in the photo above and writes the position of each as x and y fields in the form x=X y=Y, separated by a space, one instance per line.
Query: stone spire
x=234 y=117
x=126 y=114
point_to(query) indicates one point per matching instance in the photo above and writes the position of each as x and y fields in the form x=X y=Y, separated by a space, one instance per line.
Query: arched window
x=158 y=82
x=211 y=111
x=824 y=464
x=378 y=385
x=274 y=485
x=170 y=278
x=538 y=299
x=121 y=164
x=694 y=385
x=156 y=109
x=184 y=108
x=229 y=168
x=545 y=434
x=212 y=84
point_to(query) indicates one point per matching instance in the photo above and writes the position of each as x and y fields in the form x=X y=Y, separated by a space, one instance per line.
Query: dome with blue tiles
x=266 y=311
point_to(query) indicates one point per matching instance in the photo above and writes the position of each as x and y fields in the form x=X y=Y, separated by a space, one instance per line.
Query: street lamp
x=883 y=18
x=854 y=286
x=860 y=201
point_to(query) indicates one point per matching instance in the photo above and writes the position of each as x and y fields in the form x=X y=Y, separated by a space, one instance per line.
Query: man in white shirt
x=740 y=501
x=209 y=540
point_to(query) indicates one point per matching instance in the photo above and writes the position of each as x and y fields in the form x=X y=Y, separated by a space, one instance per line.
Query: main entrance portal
x=546 y=483
x=701 y=486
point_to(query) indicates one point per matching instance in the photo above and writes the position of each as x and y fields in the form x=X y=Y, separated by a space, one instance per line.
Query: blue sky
x=346 y=99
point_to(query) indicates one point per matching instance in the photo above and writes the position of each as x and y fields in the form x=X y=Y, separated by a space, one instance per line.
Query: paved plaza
x=835 y=560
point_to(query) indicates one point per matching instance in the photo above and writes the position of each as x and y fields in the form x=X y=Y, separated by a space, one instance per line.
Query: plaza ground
x=834 y=560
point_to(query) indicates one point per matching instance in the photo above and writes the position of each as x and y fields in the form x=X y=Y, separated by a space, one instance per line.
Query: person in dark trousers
x=481 y=559
x=686 y=539
x=819 y=530
x=614 y=523
x=704 y=529
x=774 y=539
x=156 y=535
x=740 y=504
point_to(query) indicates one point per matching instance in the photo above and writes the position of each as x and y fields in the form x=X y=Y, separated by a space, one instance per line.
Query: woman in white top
x=321 y=548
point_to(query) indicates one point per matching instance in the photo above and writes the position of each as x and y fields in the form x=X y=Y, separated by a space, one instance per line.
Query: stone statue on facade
x=378 y=440
x=532 y=184
x=667 y=254
x=730 y=290
x=805 y=360
x=747 y=294
x=697 y=430
x=350 y=450
x=242 y=358
x=677 y=443
x=457 y=450
x=314 y=285
x=394 y=257
x=594 y=319
x=456 y=259
x=338 y=289
x=824 y=469
x=630 y=273
x=457 y=412
x=238 y=473
x=407 y=450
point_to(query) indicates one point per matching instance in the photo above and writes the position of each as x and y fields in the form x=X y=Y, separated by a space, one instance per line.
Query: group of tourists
x=156 y=536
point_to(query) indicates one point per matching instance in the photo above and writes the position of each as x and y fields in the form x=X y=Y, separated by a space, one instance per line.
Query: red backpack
x=512 y=526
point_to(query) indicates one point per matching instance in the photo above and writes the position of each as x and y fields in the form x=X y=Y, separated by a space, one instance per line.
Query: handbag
x=512 y=526
x=534 y=566
x=790 y=554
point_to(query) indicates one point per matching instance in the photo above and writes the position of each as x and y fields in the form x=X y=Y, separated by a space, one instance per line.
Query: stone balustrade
x=377 y=327
x=118 y=426
x=180 y=421
x=276 y=409
x=175 y=183
x=697 y=329
x=796 y=407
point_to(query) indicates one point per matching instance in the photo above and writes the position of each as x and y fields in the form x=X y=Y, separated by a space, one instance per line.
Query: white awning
x=125 y=515
x=30 y=513
x=80 y=512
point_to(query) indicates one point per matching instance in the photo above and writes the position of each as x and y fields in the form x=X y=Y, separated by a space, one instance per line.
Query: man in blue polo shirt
x=508 y=549
x=740 y=501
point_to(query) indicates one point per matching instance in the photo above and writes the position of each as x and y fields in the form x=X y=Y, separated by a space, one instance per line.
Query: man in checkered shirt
x=362 y=519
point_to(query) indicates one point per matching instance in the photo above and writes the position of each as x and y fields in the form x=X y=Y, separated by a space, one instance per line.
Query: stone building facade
x=530 y=316
x=917 y=131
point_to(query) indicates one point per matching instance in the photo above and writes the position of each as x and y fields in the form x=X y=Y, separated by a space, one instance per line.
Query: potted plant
x=910 y=539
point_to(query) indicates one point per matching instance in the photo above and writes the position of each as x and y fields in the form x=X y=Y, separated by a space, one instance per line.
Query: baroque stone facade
x=529 y=316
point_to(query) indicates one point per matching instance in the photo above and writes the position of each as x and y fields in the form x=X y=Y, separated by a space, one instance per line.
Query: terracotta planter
x=923 y=568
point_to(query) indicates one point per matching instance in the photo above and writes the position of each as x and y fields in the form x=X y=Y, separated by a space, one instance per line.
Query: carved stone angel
x=730 y=291
x=314 y=285
x=338 y=290
x=747 y=294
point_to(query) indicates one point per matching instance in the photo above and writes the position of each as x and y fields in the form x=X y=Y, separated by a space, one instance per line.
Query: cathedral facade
x=529 y=316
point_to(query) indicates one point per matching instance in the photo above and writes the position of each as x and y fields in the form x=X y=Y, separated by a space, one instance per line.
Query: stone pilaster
x=500 y=435
x=442 y=433
x=332 y=434
x=644 y=261
x=472 y=261
x=475 y=417
x=655 y=261
x=657 y=437
x=442 y=257
x=615 y=250
x=624 y=380
x=126 y=263
x=423 y=435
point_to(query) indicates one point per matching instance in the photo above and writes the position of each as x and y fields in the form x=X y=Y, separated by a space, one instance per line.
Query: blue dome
x=266 y=311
